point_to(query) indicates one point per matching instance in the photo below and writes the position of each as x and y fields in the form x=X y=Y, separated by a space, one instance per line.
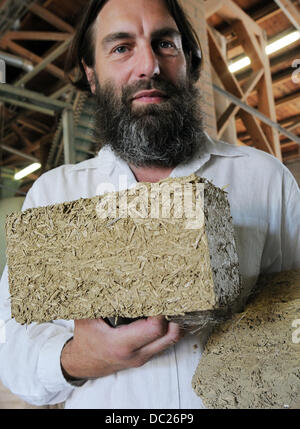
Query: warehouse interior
x=250 y=81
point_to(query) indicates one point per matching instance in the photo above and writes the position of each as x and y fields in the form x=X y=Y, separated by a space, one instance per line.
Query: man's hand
x=97 y=349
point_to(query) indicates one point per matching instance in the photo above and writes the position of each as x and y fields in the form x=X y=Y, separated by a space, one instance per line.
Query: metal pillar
x=69 y=136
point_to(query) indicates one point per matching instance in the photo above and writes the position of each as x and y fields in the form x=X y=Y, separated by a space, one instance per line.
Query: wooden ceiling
x=43 y=26
x=286 y=92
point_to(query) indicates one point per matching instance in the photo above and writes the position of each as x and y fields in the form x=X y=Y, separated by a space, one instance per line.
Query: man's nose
x=147 y=63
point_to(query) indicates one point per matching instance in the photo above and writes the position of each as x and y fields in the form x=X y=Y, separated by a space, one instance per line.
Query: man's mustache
x=129 y=91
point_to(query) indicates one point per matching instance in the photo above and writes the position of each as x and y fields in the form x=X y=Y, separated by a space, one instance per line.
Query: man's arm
x=290 y=230
x=282 y=249
x=30 y=356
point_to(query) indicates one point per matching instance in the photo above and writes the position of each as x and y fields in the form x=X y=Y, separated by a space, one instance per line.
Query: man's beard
x=164 y=134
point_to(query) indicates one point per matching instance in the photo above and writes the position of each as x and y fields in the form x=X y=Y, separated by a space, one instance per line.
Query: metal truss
x=11 y=11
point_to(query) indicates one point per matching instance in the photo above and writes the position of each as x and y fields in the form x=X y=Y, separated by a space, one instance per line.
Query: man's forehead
x=127 y=16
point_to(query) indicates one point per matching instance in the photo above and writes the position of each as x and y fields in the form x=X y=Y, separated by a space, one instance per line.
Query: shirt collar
x=209 y=147
x=104 y=160
x=107 y=160
x=221 y=148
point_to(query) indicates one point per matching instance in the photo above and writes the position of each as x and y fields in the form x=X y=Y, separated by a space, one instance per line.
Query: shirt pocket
x=250 y=236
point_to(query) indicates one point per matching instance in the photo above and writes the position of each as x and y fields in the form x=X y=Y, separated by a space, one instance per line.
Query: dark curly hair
x=83 y=48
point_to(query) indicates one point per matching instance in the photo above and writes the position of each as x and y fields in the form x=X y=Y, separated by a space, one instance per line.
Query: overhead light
x=272 y=47
x=28 y=170
x=283 y=42
x=239 y=64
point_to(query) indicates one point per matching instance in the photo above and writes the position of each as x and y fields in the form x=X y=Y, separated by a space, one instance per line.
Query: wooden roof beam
x=33 y=125
x=62 y=90
x=283 y=78
x=45 y=62
x=291 y=11
x=289 y=124
x=43 y=140
x=232 y=109
x=291 y=121
x=288 y=99
x=37 y=35
x=24 y=53
x=249 y=44
x=26 y=153
x=230 y=12
x=252 y=39
x=10 y=161
x=287 y=147
x=52 y=19
x=10 y=138
x=256 y=114
x=19 y=153
x=259 y=16
x=265 y=13
x=293 y=126
x=266 y=102
x=232 y=86
x=24 y=139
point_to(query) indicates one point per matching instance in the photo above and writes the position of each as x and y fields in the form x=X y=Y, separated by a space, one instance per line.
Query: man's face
x=147 y=108
x=134 y=41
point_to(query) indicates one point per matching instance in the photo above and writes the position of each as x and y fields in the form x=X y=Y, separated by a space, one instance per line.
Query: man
x=141 y=60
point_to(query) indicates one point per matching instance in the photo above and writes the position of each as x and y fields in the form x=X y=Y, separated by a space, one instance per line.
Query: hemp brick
x=66 y=262
x=252 y=360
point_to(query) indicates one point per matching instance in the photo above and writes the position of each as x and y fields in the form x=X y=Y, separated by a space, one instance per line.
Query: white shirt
x=265 y=207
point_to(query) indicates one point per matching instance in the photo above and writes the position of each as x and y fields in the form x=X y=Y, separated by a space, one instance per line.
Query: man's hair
x=83 y=46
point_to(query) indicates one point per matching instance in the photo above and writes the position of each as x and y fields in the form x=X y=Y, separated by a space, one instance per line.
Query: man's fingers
x=125 y=346
x=141 y=339
x=141 y=332
x=172 y=336
x=99 y=324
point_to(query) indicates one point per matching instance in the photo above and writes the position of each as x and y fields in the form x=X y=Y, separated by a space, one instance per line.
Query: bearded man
x=141 y=59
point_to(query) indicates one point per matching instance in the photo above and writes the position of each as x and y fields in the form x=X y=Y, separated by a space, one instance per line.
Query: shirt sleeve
x=282 y=247
x=30 y=354
x=290 y=224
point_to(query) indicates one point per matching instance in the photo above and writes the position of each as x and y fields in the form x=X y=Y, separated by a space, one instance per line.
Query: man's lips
x=149 y=96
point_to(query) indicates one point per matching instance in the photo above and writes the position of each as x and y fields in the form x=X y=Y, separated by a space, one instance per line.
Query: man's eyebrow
x=166 y=32
x=162 y=32
x=113 y=37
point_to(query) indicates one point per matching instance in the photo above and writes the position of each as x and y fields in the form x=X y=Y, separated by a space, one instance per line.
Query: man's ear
x=90 y=75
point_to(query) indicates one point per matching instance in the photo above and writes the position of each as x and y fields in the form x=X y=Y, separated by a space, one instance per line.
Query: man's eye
x=165 y=44
x=120 y=49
